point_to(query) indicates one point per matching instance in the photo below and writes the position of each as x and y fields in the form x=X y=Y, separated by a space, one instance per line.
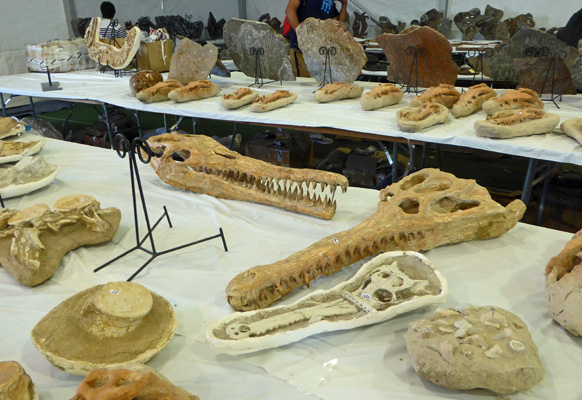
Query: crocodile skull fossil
x=210 y=168
x=427 y=209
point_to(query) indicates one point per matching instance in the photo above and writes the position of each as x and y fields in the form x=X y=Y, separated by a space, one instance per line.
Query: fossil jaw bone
x=210 y=168
x=427 y=209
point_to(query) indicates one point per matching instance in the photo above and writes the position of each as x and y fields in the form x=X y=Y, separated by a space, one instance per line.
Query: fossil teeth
x=493 y=352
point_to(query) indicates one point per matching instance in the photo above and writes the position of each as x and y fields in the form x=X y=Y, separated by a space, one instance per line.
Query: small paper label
x=365 y=296
x=113 y=291
x=335 y=240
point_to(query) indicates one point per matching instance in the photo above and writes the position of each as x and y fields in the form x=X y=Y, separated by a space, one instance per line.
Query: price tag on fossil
x=365 y=296
x=335 y=240
x=113 y=291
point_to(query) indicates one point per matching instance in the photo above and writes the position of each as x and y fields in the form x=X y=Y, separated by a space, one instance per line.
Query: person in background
x=298 y=11
x=572 y=32
x=107 y=30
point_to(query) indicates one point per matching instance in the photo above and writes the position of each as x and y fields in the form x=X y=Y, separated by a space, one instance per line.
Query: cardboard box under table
x=155 y=55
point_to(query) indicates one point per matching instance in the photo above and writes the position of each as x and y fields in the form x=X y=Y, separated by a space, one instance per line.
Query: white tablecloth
x=369 y=362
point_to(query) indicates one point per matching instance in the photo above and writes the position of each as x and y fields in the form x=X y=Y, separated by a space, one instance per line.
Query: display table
x=369 y=362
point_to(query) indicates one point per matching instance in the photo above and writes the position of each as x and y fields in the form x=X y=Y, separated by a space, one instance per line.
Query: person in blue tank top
x=298 y=11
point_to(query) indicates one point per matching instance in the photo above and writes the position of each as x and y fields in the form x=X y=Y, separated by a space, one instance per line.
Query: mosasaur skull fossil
x=427 y=209
x=205 y=166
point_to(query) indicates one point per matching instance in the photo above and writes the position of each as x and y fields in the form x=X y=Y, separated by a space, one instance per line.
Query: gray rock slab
x=192 y=62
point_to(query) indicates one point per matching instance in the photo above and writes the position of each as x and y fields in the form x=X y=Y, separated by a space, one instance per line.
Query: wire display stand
x=259 y=52
x=327 y=52
x=546 y=55
x=139 y=148
x=133 y=68
x=415 y=52
x=479 y=54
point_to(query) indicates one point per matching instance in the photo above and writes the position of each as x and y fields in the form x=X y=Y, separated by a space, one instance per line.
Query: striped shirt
x=107 y=31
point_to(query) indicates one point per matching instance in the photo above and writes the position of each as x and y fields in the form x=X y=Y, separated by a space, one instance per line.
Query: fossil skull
x=427 y=209
x=205 y=166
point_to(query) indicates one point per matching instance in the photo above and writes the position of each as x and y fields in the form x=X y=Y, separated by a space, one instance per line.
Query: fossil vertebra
x=427 y=209
x=210 y=168
x=33 y=241
x=388 y=285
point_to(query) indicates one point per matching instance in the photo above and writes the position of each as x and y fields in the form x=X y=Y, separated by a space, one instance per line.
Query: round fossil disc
x=29 y=214
x=74 y=202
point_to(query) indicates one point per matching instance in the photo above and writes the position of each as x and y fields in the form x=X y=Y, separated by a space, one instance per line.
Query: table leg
x=108 y=125
x=32 y=106
x=3 y=105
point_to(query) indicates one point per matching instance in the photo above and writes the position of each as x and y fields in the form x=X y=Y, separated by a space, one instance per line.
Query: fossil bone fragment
x=105 y=326
x=277 y=99
x=210 y=168
x=27 y=175
x=513 y=100
x=426 y=209
x=383 y=95
x=239 y=98
x=443 y=94
x=158 y=92
x=337 y=91
x=573 y=128
x=564 y=284
x=14 y=151
x=136 y=381
x=472 y=100
x=194 y=91
x=15 y=384
x=513 y=123
x=486 y=359
x=386 y=286
x=414 y=119
x=10 y=127
x=33 y=241
x=106 y=54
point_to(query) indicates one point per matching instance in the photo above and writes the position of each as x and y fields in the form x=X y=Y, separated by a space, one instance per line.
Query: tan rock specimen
x=415 y=119
x=428 y=208
x=564 y=284
x=472 y=100
x=272 y=101
x=194 y=91
x=33 y=241
x=475 y=348
x=337 y=91
x=15 y=384
x=158 y=92
x=14 y=151
x=573 y=128
x=210 y=168
x=513 y=100
x=106 y=326
x=10 y=127
x=435 y=67
x=532 y=73
x=443 y=94
x=345 y=62
x=239 y=98
x=192 y=61
x=106 y=54
x=383 y=95
x=513 y=123
x=136 y=381
x=143 y=80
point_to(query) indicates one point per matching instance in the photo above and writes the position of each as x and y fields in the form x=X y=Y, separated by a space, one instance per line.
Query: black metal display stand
x=328 y=52
x=50 y=85
x=117 y=72
x=142 y=150
x=258 y=52
x=479 y=54
x=545 y=54
x=415 y=53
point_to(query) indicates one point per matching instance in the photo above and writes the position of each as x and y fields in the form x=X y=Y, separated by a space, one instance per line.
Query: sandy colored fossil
x=443 y=94
x=386 y=286
x=10 y=127
x=474 y=347
x=33 y=241
x=513 y=100
x=337 y=91
x=573 y=128
x=424 y=210
x=111 y=55
x=415 y=119
x=513 y=123
x=105 y=326
x=15 y=384
x=27 y=175
x=194 y=91
x=158 y=92
x=472 y=100
x=239 y=98
x=14 y=151
x=272 y=101
x=564 y=286
x=210 y=168
x=383 y=95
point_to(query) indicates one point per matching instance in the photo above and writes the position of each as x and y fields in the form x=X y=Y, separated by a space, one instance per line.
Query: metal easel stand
x=538 y=171
x=409 y=148
x=545 y=54
x=258 y=52
x=142 y=150
x=327 y=52
x=480 y=54
x=415 y=53
x=50 y=85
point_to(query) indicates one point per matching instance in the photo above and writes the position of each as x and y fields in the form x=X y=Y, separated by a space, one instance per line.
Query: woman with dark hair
x=109 y=30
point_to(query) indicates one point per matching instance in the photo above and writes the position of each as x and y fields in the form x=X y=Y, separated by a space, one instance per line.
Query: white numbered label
x=335 y=240
x=113 y=291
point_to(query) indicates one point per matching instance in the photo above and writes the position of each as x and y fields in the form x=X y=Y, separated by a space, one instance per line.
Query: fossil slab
x=345 y=62
x=135 y=381
x=475 y=347
x=535 y=74
x=426 y=209
x=435 y=20
x=245 y=39
x=10 y=127
x=576 y=71
x=15 y=383
x=360 y=26
x=500 y=64
x=215 y=28
x=210 y=168
x=488 y=28
x=14 y=151
x=388 y=27
x=192 y=62
x=573 y=128
x=106 y=54
x=471 y=22
x=105 y=326
x=27 y=175
x=563 y=286
x=386 y=286
x=434 y=67
x=33 y=241
x=514 y=123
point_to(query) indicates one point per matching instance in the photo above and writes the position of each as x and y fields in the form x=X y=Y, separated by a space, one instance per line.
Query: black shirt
x=320 y=9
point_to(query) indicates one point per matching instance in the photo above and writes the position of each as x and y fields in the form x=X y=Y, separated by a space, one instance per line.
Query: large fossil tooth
x=427 y=209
